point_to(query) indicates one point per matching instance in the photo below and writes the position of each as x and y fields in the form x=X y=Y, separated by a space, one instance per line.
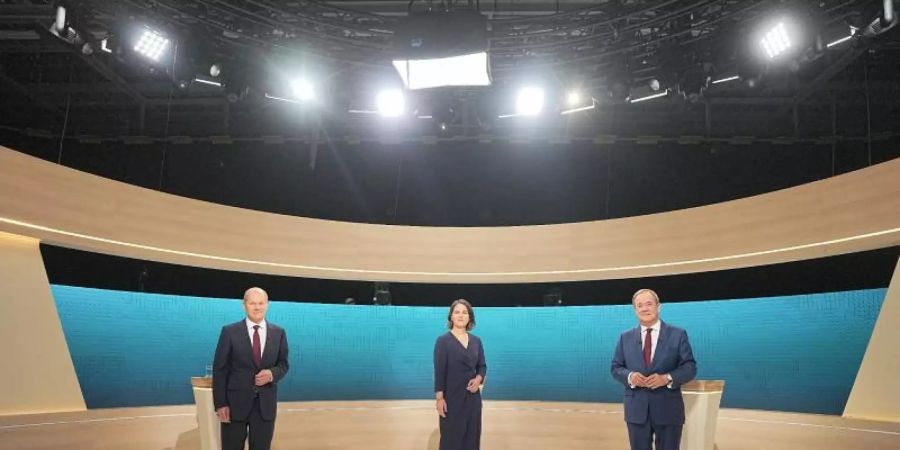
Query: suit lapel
x=660 y=343
x=248 y=342
x=270 y=337
x=638 y=347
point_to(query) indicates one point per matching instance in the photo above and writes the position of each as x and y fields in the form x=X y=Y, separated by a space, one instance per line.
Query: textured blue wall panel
x=798 y=353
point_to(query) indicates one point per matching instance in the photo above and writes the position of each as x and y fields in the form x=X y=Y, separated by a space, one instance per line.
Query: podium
x=207 y=421
x=701 y=412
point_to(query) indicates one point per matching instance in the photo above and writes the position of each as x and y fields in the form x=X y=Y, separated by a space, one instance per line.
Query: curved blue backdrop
x=137 y=349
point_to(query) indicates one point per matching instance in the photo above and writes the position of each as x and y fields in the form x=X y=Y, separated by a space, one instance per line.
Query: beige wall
x=61 y=206
x=876 y=392
x=37 y=374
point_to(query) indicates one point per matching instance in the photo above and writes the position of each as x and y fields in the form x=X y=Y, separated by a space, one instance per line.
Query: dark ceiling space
x=821 y=112
x=827 y=107
x=864 y=270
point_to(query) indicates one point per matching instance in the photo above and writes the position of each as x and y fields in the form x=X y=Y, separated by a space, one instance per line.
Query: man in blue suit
x=653 y=360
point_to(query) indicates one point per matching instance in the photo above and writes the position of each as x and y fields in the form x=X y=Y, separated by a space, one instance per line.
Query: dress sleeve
x=481 y=368
x=440 y=366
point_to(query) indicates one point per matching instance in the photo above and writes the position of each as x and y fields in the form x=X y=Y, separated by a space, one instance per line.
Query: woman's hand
x=474 y=384
x=441 y=407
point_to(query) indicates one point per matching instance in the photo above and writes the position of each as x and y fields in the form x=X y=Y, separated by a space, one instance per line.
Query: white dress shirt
x=262 y=334
x=654 y=338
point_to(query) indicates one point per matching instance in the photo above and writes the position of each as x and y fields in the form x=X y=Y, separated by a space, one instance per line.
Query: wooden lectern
x=701 y=412
x=207 y=421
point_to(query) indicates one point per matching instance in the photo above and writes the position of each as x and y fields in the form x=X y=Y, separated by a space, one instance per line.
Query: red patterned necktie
x=648 y=346
x=257 y=346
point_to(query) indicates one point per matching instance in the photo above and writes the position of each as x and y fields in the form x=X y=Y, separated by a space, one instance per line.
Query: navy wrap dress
x=454 y=366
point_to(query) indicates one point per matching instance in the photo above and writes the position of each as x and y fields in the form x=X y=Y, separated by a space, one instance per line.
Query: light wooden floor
x=412 y=425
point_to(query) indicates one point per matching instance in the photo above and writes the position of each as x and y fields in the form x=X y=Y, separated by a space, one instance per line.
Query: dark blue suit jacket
x=234 y=370
x=662 y=406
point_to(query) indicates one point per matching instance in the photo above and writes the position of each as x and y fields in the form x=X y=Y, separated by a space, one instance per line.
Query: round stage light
x=390 y=102
x=530 y=101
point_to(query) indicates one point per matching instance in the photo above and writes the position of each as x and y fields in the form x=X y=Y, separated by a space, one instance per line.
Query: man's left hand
x=264 y=377
x=657 y=381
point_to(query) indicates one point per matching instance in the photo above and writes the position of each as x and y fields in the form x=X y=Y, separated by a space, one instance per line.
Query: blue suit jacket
x=662 y=406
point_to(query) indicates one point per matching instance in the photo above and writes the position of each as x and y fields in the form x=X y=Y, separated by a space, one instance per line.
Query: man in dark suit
x=251 y=357
x=653 y=360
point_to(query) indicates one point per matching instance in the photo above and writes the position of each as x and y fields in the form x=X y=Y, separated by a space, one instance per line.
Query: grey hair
x=257 y=290
x=641 y=291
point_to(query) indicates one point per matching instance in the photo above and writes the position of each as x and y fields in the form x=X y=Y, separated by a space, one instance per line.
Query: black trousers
x=641 y=436
x=234 y=434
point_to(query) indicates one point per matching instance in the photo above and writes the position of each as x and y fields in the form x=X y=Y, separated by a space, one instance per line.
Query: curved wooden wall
x=61 y=206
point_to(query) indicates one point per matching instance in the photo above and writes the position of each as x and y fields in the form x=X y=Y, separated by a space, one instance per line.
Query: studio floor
x=412 y=425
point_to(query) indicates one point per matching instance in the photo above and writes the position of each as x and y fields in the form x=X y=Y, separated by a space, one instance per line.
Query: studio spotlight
x=576 y=101
x=151 y=45
x=303 y=90
x=529 y=101
x=390 y=102
x=60 y=21
x=62 y=28
x=776 y=41
x=573 y=99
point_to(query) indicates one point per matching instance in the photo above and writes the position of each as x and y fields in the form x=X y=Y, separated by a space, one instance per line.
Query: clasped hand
x=264 y=377
x=653 y=381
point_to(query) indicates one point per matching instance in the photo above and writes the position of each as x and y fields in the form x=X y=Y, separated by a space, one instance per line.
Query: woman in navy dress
x=459 y=371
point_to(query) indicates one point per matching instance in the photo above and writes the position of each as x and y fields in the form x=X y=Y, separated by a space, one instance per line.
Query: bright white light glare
x=651 y=97
x=152 y=45
x=281 y=99
x=303 y=90
x=530 y=101
x=60 y=21
x=839 y=41
x=208 y=82
x=390 y=102
x=726 y=79
x=776 y=41
x=573 y=99
x=465 y=70
x=575 y=110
